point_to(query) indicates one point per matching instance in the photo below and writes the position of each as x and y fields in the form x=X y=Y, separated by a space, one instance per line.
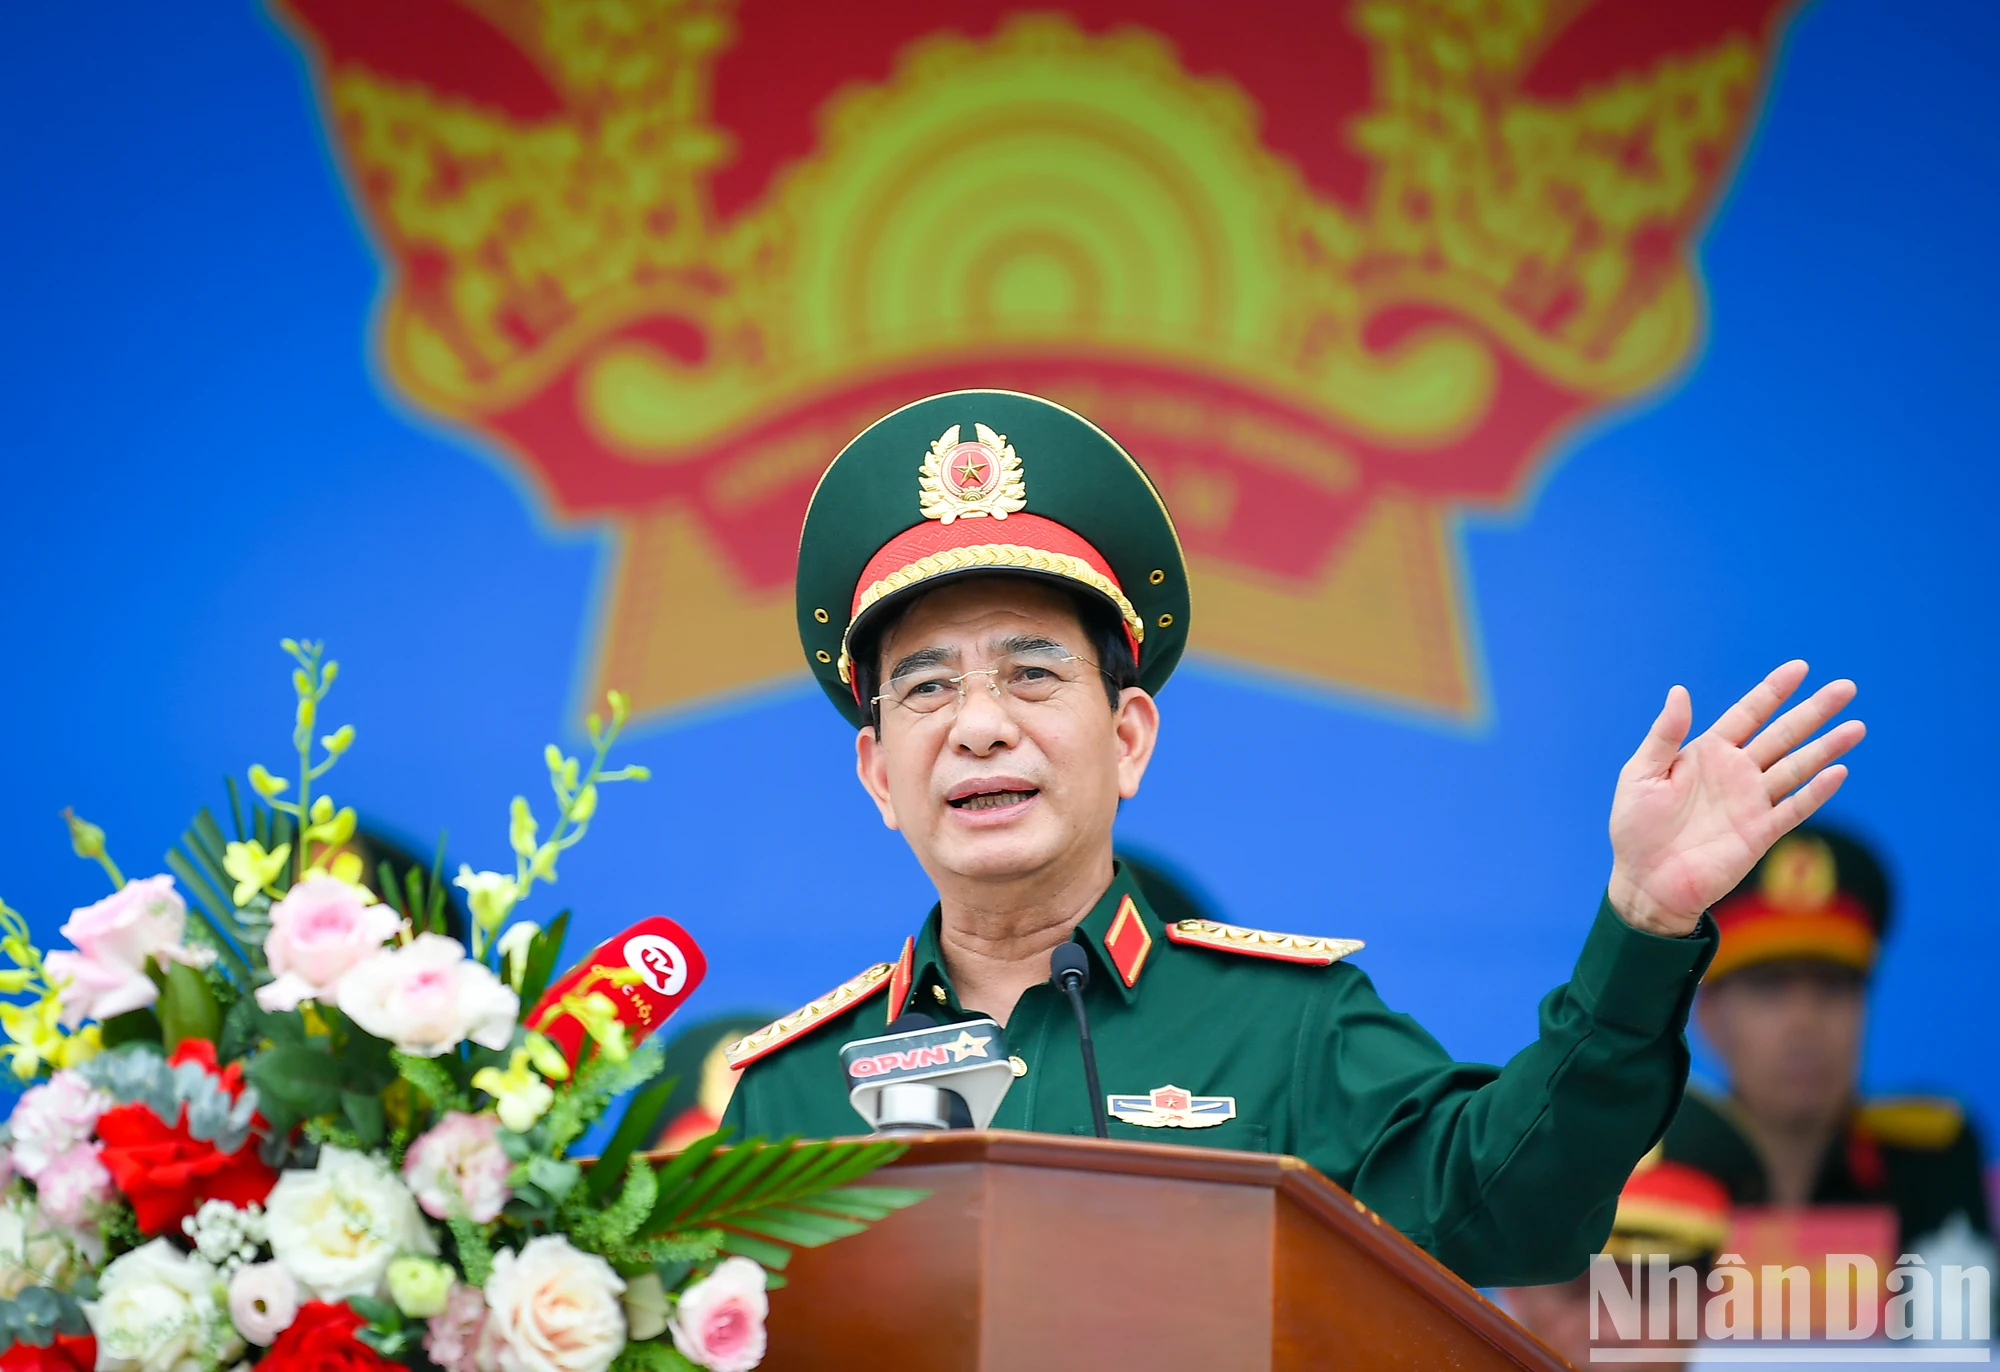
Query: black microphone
x=1069 y=969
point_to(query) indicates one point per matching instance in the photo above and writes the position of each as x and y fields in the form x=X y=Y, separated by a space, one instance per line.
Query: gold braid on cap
x=1006 y=556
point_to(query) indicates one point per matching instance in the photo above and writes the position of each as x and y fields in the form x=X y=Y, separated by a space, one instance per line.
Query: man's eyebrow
x=920 y=659
x=1027 y=643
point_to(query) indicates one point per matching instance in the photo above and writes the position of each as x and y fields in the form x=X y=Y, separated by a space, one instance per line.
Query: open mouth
x=992 y=800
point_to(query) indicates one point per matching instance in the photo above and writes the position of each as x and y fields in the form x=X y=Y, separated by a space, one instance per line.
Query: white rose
x=553 y=1309
x=337 y=1227
x=427 y=997
x=159 y=1312
x=36 y=1252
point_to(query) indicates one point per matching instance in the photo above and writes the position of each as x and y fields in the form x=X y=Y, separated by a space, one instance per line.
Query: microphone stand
x=1070 y=969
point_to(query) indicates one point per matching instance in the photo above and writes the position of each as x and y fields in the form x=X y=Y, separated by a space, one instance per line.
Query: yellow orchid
x=548 y=1058
x=254 y=869
x=521 y=1096
x=598 y=1014
x=85 y=1044
x=36 y=1035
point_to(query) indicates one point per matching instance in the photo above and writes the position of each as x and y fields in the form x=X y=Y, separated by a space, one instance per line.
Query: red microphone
x=648 y=972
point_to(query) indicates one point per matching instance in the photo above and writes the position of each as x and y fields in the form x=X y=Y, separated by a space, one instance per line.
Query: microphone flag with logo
x=647 y=973
x=968 y=1057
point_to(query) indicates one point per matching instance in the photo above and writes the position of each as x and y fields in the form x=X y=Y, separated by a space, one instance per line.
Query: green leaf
x=303 y=1078
x=364 y=1112
x=240 y=1030
x=775 y=1257
x=413 y=888
x=780 y=1193
x=385 y=886
x=800 y=1228
x=475 y=1252
x=429 y=1076
x=555 y=1177
x=187 y=1007
x=235 y=806
x=654 y=1356
x=868 y=1203
x=433 y=917
x=642 y=1113
x=206 y=902
x=375 y=1310
x=543 y=950
x=134 y=1026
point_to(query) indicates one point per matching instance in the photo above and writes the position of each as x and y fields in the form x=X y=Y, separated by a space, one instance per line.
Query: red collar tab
x=648 y=972
x=1127 y=942
x=899 y=980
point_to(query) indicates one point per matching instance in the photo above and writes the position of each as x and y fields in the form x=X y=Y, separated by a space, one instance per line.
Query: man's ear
x=1136 y=728
x=871 y=765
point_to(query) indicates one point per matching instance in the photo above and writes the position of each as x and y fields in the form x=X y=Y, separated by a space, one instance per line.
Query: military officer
x=1783 y=1005
x=992 y=592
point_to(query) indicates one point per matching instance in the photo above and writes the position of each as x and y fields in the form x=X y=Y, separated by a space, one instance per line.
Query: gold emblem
x=1171 y=1107
x=972 y=478
x=1800 y=874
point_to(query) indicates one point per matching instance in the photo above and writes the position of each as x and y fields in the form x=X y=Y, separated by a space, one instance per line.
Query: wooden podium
x=1038 y=1252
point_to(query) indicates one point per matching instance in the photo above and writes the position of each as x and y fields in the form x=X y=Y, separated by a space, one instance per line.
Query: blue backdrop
x=199 y=461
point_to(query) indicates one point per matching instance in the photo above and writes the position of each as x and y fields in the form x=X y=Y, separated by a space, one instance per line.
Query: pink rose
x=453 y=1340
x=320 y=930
x=553 y=1308
x=427 y=998
x=73 y=1187
x=459 y=1160
x=719 y=1322
x=50 y=1120
x=106 y=974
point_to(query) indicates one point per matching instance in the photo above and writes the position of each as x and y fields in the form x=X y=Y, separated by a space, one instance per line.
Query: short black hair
x=1103 y=632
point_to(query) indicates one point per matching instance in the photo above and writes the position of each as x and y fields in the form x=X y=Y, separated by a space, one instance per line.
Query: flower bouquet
x=279 y=1114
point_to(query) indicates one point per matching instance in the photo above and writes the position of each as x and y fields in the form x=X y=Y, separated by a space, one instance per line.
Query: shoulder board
x=807 y=1017
x=1923 y=1122
x=1259 y=943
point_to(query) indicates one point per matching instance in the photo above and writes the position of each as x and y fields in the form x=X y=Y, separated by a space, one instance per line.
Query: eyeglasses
x=1029 y=678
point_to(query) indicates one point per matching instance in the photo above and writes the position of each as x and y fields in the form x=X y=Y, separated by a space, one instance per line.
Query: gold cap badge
x=970 y=479
x=1800 y=874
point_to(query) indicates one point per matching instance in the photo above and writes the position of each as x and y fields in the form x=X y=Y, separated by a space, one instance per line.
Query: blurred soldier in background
x=1784 y=1006
x=703 y=1078
x=1668 y=1209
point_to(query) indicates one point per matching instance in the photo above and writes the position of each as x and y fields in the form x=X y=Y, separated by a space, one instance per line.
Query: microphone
x=648 y=972
x=1069 y=969
x=907 y=1080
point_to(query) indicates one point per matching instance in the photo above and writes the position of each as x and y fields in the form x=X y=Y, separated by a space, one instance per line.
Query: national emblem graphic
x=1337 y=274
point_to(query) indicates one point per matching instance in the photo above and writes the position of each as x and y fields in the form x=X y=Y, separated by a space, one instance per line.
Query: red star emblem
x=970 y=467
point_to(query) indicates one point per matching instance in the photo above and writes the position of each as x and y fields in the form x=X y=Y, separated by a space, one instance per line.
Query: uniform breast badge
x=971 y=479
x=1171 y=1107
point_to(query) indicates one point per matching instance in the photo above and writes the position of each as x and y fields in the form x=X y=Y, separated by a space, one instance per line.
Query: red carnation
x=167 y=1173
x=69 y=1353
x=322 y=1339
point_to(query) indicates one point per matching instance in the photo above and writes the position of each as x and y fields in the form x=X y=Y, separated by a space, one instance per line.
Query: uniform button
x=1020 y=1068
x=938 y=992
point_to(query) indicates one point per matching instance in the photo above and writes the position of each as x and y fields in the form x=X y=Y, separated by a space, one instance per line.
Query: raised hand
x=1689 y=822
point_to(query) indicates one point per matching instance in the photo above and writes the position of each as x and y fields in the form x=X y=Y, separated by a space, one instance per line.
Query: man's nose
x=983 y=722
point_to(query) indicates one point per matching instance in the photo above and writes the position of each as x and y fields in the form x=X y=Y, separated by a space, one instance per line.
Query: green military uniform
x=1206 y=1033
x=1820 y=896
x=1916 y=1154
